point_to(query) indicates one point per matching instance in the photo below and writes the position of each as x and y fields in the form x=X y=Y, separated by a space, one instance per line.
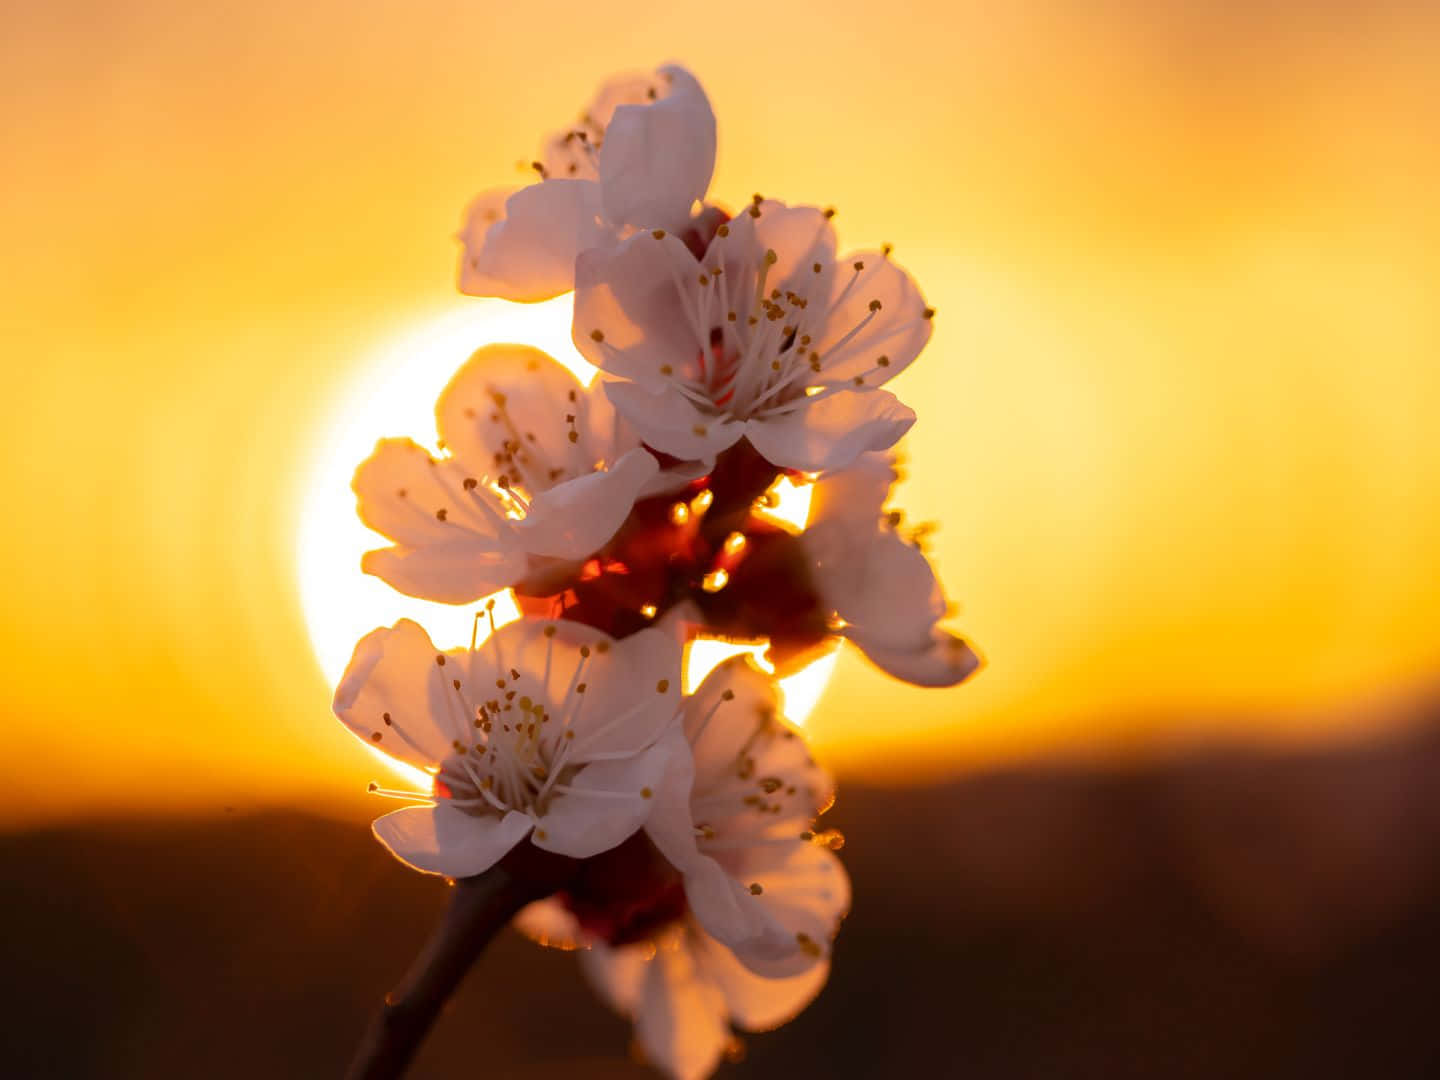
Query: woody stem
x=479 y=907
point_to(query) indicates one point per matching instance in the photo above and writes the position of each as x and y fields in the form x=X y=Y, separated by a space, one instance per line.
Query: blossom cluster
x=738 y=352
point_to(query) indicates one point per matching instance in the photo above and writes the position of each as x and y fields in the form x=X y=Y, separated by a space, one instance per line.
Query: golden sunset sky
x=1178 y=420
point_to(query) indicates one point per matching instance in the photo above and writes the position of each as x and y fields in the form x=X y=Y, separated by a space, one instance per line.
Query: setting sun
x=393 y=393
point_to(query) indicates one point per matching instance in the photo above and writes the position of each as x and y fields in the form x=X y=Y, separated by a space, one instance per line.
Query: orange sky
x=1177 y=420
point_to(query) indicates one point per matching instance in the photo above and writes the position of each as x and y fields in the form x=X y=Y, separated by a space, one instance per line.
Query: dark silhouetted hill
x=1222 y=914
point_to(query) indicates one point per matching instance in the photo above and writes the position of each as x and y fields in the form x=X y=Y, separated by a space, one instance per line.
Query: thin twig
x=479 y=907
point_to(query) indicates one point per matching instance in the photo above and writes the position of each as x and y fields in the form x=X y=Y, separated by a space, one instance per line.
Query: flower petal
x=548 y=923
x=452 y=543
x=807 y=892
x=657 y=159
x=511 y=409
x=756 y=1003
x=897 y=330
x=731 y=913
x=440 y=839
x=884 y=587
x=632 y=686
x=680 y=1020
x=670 y=423
x=854 y=497
x=635 y=309
x=574 y=519
x=530 y=254
x=802 y=238
x=485 y=211
x=831 y=429
x=387 y=696
x=606 y=802
x=947 y=660
x=618 y=974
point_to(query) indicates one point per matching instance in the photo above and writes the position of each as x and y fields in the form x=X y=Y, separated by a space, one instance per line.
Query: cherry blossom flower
x=640 y=157
x=767 y=336
x=722 y=911
x=547 y=730
x=539 y=474
x=878 y=581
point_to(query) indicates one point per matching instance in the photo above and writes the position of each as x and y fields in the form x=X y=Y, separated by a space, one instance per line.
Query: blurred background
x=1177 y=424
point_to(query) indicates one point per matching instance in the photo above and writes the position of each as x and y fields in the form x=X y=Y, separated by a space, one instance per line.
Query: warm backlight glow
x=802 y=690
x=394 y=395
x=1176 y=422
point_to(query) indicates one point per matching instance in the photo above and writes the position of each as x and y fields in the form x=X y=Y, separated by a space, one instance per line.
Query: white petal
x=657 y=159
x=388 y=696
x=574 y=519
x=632 y=694
x=732 y=914
x=635 y=308
x=897 y=331
x=946 y=660
x=670 y=826
x=756 y=1003
x=856 y=496
x=618 y=974
x=549 y=923
x=452 y=544
x=440 y=839
x=530 y=254
x=680 y=1020
x=749 y=727
x=807 y=892
x=668 y=422
x=505 y=412
x=885 y=589
x=801 y=237
x=484 y=212
x=831 y=430
x=605 y=803
x=632 y=686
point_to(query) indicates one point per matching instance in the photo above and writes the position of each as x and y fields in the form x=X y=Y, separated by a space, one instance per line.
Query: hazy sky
x=1177 y=421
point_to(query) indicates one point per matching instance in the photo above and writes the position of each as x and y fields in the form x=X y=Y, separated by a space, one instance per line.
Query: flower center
x=512 y=738
x=760 y=356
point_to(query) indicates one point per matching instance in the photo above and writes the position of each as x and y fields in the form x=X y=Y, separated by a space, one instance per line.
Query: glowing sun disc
x=394 y=395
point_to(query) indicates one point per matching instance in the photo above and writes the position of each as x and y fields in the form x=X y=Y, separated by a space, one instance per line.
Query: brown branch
x=479 y=907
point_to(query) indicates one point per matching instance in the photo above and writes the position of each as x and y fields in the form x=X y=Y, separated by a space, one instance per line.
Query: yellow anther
x=679 y=514
x=734 y=543
x=702 y=502
x=715 y=581
x=648 y=610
